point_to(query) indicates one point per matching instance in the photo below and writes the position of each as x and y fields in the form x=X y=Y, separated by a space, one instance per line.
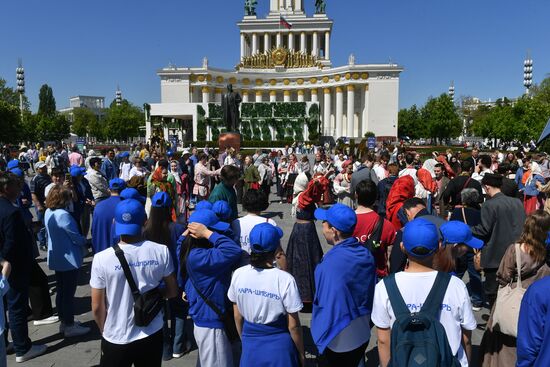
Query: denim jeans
x=176 y=340
x=18 y=301
x=42 y=239
x=64 y=299
x=466 y=263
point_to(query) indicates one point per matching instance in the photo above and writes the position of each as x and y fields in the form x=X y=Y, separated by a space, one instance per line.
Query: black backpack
x=417 y=338
x=373 y=242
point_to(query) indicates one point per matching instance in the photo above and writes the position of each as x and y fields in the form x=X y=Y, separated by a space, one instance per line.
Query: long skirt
x=303 y=253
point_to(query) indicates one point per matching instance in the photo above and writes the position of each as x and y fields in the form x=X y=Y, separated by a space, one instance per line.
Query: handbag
x=227 y=318
x=146 y=305
x=507 y=305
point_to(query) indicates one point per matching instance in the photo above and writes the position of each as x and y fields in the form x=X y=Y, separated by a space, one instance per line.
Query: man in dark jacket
x=16 y=247
x=365 y=172
x=502 y=220
x=451 y=194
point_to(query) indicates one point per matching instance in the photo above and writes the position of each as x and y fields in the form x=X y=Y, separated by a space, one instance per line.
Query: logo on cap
x=127 y=217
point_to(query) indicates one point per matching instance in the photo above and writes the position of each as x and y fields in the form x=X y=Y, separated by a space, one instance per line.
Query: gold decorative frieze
x=279 y=57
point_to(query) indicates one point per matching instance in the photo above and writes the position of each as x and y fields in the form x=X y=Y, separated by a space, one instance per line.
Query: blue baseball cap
x=222 y=210
x=129 y=217
x=420 y=233
x=117 y=184
x=455 y=232
x=209 y=219
x=265 y=237
x=161 y=200
x=17 y=171
x=124 y=155
x=14 y=163
x=77 y=171
x=205 y=204
x=339 y=216
x=131 y=193
x=169 y=153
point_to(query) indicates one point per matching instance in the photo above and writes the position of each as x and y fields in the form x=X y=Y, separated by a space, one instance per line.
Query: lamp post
x=527 y=74
x=118 y=97
x=452 y=91
x=20 y=72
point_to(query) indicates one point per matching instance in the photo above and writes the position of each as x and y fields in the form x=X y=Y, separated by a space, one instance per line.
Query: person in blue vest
x=533 y=347
x=344 y=283
x=109 y=168
x=104 y=215
x=266 y=302
x=207 y=259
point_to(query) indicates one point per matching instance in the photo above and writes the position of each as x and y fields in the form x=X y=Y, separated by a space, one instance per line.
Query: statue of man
x=230 y=107
x=320 y=6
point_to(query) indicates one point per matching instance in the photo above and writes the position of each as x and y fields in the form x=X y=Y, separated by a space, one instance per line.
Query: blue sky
x=88 y=47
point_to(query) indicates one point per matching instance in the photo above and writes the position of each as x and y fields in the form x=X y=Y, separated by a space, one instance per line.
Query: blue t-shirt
x=102 y=223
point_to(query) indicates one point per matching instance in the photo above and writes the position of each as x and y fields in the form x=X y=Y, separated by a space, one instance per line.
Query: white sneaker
x=46 y=321
x=476 y=308
x=35 y=351
x=75 y=330
x=177 y=355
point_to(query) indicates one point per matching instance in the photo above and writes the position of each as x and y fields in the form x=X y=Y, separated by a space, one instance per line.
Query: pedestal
x=230 y=140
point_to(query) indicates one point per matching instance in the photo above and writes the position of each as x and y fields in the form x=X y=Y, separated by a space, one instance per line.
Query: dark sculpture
x=230 y=106
x=320 y=6
x=250 y=7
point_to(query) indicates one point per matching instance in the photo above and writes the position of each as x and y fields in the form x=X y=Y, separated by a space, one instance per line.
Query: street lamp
x=118 y=97
x=527 y=74
x=452 y=91
x=20 y=72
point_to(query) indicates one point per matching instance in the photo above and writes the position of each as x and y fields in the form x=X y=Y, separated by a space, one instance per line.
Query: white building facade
x=288 y=65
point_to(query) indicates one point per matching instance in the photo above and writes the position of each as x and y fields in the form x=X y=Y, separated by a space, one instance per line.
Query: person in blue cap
x=123 y=342
x=131 y=193
x=202 y=205
x=222 y=210
x=84 y=198
x=457 y=239
x=420 y=243
x=266 y=302
x=161 y=229
x=344 y=282
x=102 y=221
x=207 y=259
x=14 y=163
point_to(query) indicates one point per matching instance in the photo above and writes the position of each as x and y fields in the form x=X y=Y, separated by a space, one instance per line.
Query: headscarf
x=401 y=190
x=300 y=184
x=425 y=178
x=534 y=169
x=162 y=184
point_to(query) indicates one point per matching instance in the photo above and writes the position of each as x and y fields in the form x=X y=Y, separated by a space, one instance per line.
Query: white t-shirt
x=263 y=295
x=456 y=310
x=149 y=263
x=243 y=226
x=409 y=172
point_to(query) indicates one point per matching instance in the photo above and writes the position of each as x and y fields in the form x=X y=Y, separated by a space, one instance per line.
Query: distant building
x=93 y=103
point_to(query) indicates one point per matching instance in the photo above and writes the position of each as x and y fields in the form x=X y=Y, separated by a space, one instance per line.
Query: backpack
x=417 y=338
x=373 y=242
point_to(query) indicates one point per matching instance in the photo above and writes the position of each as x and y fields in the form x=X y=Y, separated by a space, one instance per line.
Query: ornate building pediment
x=279 y=57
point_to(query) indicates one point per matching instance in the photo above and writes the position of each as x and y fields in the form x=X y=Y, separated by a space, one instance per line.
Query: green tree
x=83 y=120
x=410 y=123
x=10 y=96
x=441 y=118
x=53 y=128
x=46 y=106
x=10 y=123
x=541 y=92
x=123 y=122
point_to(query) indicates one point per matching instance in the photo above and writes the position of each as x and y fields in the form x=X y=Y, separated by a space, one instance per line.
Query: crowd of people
x=173 y=253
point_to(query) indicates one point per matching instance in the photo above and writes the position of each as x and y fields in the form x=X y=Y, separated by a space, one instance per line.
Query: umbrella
x=545 y=133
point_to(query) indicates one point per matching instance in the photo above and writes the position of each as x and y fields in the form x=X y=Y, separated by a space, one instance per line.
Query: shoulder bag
x=507 y=305
x=146 y=305
x=227 y=318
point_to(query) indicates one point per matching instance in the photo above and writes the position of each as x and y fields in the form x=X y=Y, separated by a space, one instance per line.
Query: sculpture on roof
x=320 y=6
x=250 y=7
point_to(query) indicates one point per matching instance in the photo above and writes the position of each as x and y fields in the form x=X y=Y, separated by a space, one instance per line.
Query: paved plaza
x=85 y=351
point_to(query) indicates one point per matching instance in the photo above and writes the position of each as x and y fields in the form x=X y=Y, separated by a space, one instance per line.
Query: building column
x=218 y=95
x=339 y=112
x=303 y=42
x=315 y=47
x=273 y=96
x=254 y=43
x=259 y=96
x=301 y=97
x=286 y=97
x=365 y=122
x=243 y=45
x=245 y=96
x=267 y=42
x=205 y=95
x=314 y=96
x=279 y=39
x=351 y=111
x=327 y=45
x=327 y=113
x=290 y=41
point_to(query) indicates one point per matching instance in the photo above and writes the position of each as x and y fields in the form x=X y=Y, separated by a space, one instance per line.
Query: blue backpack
x=417 y=338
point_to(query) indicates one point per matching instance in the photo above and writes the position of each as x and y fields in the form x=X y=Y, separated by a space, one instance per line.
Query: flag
x=285 y=23
x=545 y=133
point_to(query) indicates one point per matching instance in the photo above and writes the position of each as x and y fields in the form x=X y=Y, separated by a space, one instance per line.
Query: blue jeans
x=42 y=233
x=466 y=263
x=18 y=301
x=176 y=340
x=64 y=299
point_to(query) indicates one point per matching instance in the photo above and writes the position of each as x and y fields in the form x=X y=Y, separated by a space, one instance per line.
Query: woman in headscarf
x=160 y=183
x=182 y=188
x=425 y=188
x=342 y=185
x=401 y=190
x=532 y=196
x=304 y=249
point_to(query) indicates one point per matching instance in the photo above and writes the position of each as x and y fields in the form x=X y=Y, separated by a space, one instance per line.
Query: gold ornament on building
x=193 y=78
x=219 y=79
x=364 y=75
x=325 y=79
x=313 y=80
x=273 y=82
x=259 y=82
x=355 y=76
x=348 y=76
x=286 y=82
x=246 y=81
x=300 y=81
x=233 y=80
x=337 y=78
x=280 y=57
x=201 y=78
